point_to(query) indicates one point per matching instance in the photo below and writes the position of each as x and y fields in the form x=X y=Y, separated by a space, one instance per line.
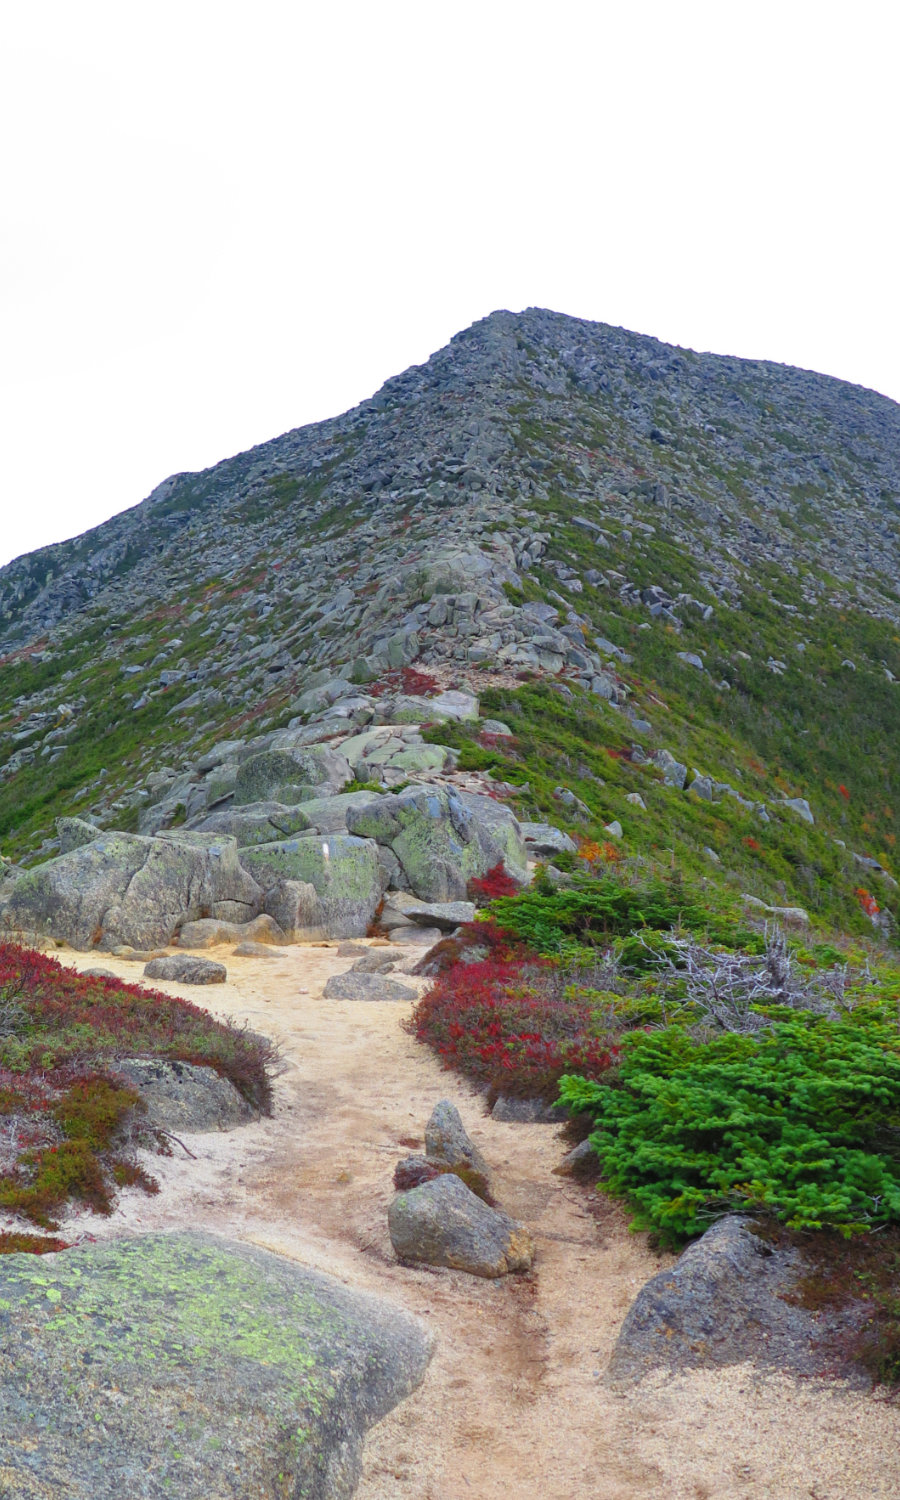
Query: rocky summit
x=329 y=653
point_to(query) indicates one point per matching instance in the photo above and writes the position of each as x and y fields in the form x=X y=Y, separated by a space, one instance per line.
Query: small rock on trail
x=186 y=970
x=355 y=986
x=447 y=1142
x=443 y=1223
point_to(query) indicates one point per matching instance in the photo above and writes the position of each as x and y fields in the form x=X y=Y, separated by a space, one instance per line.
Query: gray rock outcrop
x=543 y=840
x=208 y=932
x=720 y=1304
x=186 y=969
x=446 y=916
x=513 y=1111
x=125 y=889
x=204 y=1368
x=182 y=1096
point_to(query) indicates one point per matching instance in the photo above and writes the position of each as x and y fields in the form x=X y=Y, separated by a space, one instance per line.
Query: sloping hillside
x=625 y=549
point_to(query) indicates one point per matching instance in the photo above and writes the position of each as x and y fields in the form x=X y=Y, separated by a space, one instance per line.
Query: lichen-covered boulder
x=443 y=1223
x=73 y=833
x=291 y=775
x=184 y=1096
x=125 y=889
x=187 y=1365
x=318 y=887
x=442 y=838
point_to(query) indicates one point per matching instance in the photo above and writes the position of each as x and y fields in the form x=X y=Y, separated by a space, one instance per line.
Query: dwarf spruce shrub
x=600 y=909
x=801 y=1120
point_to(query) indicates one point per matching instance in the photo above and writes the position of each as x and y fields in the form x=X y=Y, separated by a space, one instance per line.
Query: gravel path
x=514 y=1403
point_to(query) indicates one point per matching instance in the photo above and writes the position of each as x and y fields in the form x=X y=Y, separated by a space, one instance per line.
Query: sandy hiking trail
x=514 y=1403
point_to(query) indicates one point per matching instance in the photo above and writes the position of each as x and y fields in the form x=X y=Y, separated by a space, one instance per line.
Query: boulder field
x=276 y=848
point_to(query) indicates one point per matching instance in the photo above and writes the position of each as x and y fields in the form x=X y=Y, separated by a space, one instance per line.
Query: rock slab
x=443 y=1223
x=188 y=1365
x=513 y=1111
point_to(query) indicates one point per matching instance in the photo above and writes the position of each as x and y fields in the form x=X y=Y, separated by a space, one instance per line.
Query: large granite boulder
x=441 y=838
x=720 y=1304
x=443 y=1223
x=291 y=775
x=191 y=1366
x=318 y=887
x=125 y=889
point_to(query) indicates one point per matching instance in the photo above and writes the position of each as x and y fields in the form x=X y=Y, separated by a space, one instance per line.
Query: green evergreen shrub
x=801 y=1120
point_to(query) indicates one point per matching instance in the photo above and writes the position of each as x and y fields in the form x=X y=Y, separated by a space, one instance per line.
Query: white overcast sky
x=219 y=221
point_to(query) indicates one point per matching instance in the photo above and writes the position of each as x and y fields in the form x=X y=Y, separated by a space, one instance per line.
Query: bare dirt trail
x=514 y=1402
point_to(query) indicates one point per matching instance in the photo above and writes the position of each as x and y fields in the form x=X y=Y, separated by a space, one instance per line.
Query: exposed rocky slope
x=700 y=549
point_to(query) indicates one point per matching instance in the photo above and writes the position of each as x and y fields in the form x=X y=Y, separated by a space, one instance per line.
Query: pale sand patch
x=513 y=1404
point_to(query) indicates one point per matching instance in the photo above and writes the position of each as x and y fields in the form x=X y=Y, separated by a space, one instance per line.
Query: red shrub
x=503 y=1021
x=490 y=887
x=867 y=901
x=490 y=741
x=66 y=1120
x=72 y=1018
x=12 y=1243
x=407 y=680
